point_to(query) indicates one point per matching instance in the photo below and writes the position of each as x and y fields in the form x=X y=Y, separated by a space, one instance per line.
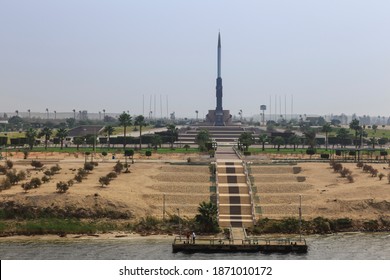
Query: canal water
x=354 y=246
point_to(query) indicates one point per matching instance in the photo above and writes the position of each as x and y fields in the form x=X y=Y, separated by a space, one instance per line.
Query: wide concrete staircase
x=235 y=206
x=220 y=134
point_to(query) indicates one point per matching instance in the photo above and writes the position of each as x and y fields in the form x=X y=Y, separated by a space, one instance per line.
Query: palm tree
x=263 y=138
x=310 y=135
x=78 y=141
x=294 y=140
x=47 y=132
x=326 y=128
x=246 y=139
x=156 y=141
x=354 y=125
x=207 y=217
x=202 y=137
x=31 y=135
x=125 y=121
x=173 y=131
x=373 y=141
x=109 y=129
x=278 y=141
x=342 y=134
x=140 y=121
x=374 y=128
x=62 y=133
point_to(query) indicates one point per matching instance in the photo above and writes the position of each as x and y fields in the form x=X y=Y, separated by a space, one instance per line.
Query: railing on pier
x=248 y=241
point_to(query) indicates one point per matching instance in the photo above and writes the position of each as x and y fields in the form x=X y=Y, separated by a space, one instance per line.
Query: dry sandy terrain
x=141 y=192
x=324 y=192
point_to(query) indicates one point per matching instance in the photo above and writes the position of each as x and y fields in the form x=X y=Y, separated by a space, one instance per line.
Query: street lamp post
x=164 y=207
x=300 y=217
x=178 y=213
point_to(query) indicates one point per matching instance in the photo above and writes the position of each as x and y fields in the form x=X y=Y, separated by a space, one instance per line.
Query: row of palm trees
x=125 y=120
x=32 y=134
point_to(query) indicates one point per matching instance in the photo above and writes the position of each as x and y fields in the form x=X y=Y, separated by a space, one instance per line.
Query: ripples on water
x=338 y=247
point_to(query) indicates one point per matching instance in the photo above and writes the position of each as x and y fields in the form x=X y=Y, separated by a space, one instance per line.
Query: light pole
x=164 y=207
x=300 y=217
x=47 y=113
x=178 y=213
x=104 y=114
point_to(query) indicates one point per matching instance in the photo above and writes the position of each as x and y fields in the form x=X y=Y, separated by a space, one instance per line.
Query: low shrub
x=48 y=173
x=9 y=164
x=45 y=179
x=5 y=184
x=345 y=172
x=27 y=186
x=55 y=169
x=82 y=172
x=111 y=175
x=37 y=164
x=62 y=187
x=311 y=151
x=104 y=181
x=35 y=182
x=88 y=166
x=78 y=178
x=118 y=167
x=15 y=177
x=3 y=169
x=374 y=172
x=337 y=167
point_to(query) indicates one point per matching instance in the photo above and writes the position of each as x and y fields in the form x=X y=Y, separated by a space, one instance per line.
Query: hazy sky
x=333 y=56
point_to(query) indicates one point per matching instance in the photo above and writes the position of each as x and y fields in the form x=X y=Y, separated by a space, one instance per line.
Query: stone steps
x=234 y=208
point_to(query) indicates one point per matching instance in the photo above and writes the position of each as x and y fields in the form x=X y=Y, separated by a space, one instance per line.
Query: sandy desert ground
x=182 y=187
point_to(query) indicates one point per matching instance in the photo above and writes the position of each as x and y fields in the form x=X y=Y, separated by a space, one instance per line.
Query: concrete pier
x=250 y=245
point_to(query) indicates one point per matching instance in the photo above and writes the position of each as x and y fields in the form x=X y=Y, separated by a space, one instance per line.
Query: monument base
x=213 y=119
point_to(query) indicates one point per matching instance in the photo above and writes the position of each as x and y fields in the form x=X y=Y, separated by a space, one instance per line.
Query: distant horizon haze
x=330 y=57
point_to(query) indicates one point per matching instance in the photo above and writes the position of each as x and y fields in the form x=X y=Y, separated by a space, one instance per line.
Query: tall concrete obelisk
x=219 y=110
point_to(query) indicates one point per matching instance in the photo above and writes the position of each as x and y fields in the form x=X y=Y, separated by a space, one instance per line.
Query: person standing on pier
x=193 y=237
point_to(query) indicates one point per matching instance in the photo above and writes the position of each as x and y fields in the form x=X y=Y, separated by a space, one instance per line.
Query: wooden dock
x=249 y=245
